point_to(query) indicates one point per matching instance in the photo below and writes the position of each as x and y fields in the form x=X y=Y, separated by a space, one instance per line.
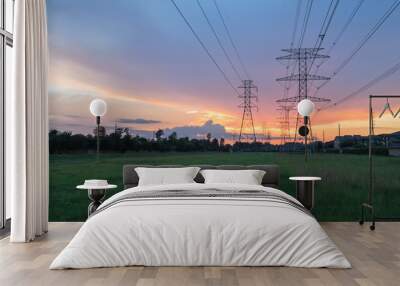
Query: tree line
x=121 y=141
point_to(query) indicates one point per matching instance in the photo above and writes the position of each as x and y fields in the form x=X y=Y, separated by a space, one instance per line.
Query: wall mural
x=185 y=81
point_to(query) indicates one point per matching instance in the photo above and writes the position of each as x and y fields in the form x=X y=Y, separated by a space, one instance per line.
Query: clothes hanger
x=387 y=107
x=397 y=113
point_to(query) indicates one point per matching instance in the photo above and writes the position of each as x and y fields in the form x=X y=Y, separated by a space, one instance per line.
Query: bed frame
x=270 y=179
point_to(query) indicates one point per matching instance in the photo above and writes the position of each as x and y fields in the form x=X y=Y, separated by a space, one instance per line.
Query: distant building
x=349 y=141
x=291 y=147
x=102 y=131
x=394 y=144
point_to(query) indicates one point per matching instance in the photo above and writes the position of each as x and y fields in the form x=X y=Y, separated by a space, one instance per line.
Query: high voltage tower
x=247 y=130
x=284 y=122
x=302 y=58
x=266 y=134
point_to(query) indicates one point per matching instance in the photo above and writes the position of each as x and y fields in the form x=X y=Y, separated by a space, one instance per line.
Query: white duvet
x=193 y=231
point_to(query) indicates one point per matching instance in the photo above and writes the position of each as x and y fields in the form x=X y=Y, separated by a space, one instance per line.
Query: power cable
x=367 y=37
x=324 y=29
x=393 y=69
x=296 y=21
x=341 y=33
x=305 y=22
x=303 y=31
x=231 y=40
x=204 y=47
x=345 y=26
x=218 y=40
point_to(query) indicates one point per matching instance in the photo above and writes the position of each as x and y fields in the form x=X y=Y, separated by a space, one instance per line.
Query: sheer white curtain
x=28 y=123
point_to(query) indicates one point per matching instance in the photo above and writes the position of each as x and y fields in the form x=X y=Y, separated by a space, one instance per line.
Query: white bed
x=202 y=231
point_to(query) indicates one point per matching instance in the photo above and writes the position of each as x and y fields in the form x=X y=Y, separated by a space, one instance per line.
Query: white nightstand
x=305 y=190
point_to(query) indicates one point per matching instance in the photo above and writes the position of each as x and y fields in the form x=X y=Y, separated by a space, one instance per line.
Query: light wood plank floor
x=375 y=257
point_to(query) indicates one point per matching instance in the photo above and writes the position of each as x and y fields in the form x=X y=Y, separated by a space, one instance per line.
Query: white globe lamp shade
x=98 y=107
x=305 y=107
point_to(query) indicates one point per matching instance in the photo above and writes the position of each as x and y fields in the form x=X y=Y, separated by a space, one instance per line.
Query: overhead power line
x=346 y=25
x=341 y=33
x=324 y=28
x=305 y=22
x=218 y=40
x=231 y=40
x=367 y=37
x=296 y=22
x=302 y=34
x=204 y=47
x=393 y=69
x=303 y=31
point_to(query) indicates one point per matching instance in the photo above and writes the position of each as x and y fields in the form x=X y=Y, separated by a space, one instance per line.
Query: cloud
x=193 y=131
x=67 y=116
x=137 y=121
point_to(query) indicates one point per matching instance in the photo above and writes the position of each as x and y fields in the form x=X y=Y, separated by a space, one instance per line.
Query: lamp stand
x=305 y=139
x=98 y=137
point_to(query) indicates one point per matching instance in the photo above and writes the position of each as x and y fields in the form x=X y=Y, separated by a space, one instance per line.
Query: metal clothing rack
x=369 y=205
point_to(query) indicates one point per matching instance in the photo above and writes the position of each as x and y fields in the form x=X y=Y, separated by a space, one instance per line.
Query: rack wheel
x=361 y=222
x=372 y=227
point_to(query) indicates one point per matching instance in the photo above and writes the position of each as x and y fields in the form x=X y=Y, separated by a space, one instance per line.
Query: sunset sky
x=142 y=59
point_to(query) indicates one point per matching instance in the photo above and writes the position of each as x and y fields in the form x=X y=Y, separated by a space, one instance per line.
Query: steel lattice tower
x=266 y=135
x=302 y=56
x=247 y=130
x=285 y=122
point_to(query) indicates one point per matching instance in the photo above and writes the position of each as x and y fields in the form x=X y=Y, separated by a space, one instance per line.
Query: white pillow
x=248 y=177
x=166 y=176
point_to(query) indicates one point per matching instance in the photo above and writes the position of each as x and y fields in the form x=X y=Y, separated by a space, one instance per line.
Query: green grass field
x=338 y=196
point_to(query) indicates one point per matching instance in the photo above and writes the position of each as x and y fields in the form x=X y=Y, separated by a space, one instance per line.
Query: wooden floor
x=375 y=257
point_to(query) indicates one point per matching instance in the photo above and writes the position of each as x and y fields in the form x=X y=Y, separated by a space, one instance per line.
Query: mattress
x=201 y=225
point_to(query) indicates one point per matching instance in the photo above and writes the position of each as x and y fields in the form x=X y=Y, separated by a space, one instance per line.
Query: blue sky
x=143 y=60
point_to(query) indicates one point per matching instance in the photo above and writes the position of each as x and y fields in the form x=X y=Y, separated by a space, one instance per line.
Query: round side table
x=305 y=190
x=96 y=195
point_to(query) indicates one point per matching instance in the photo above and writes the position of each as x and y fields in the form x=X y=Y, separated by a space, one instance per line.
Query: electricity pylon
x=285 y=122
x=302 y=56
x=247 y=131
